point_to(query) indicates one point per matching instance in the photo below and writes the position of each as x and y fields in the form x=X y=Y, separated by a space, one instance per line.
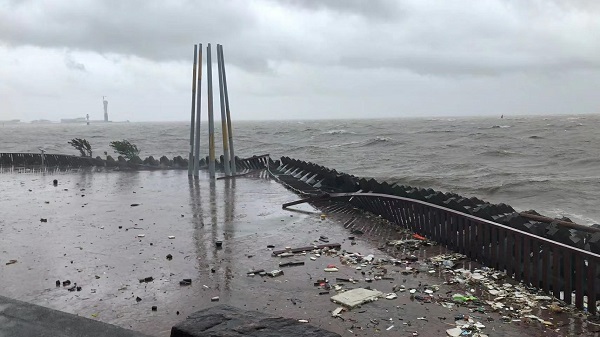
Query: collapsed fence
x=564 y=271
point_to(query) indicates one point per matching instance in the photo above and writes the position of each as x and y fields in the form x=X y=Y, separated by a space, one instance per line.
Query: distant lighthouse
x=105 y=108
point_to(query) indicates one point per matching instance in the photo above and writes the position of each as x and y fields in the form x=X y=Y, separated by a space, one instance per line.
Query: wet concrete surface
x=95 y=237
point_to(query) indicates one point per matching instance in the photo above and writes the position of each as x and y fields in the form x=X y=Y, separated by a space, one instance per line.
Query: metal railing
x=567 y=273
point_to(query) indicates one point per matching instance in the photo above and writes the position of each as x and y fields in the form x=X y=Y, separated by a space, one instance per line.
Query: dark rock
x=165 y=161
x=169 y=257
x=110 y=161
x=224 y=320
x=154 y=308
x=66 y=283
x=43 y=220
x=55 y=182
x=138 y=299
x=58 y=283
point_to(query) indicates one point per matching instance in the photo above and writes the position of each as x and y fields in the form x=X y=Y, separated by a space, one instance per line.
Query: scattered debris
x=275 y=273
x=146 y=279
x=305 y=249
x=154 y=308
x=171 y=237
x=43 y=220
x=215 y=299
x=134 y=205
x=11 y=262
x=169 y=257
x=336 y=312
x=185 y=282
x=291 y=264
x=391 y=296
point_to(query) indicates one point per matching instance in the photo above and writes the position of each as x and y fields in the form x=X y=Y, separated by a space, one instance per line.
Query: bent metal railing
x=556 y=268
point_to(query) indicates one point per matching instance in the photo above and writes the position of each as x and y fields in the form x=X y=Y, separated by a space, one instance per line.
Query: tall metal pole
x=229 y=132
x=198 y=113
x=192 y=122
x=223 y=117
x=211 y=127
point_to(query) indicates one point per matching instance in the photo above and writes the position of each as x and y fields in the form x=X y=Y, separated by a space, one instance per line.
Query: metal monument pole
x=211 y=127
x=223 y=117
x=191 y=158
x=198 y=113
x=229 y=132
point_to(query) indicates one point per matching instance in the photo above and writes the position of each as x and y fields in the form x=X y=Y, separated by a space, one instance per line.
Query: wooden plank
x=494 y=247
x=518 y=265
x=536 y=263
x=527 y=260
x=579 y=282
x=545 y=267
x=556 y=271
x=568 y=277
x=591 y=286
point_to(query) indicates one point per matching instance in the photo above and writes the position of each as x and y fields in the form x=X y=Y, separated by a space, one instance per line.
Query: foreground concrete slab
x=225 y=320
x=20 y=319
x=355 y=297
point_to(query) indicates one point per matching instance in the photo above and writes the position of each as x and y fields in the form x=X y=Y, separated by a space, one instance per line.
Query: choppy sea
x=547 y=163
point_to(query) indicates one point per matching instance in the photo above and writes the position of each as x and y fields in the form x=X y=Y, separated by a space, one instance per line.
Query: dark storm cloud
x=156 y=30
x=424 y=37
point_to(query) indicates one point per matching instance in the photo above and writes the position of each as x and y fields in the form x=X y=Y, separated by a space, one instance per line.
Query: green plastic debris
x=462 y=298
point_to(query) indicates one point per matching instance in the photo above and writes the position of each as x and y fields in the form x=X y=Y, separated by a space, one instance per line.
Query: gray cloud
x=323 y=54
x=427 y=38
x=72 y=64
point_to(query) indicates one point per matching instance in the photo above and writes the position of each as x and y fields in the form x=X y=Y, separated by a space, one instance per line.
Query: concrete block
x=355 y=297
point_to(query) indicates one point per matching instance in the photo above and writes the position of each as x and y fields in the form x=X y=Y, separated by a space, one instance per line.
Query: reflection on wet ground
x=107 y=230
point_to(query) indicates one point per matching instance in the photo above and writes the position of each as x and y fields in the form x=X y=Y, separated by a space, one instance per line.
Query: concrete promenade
x=107 y=231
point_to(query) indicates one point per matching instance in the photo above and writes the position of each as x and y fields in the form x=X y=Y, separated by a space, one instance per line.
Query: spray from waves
x=500 y=153
x=377 y=140
x=338 y=132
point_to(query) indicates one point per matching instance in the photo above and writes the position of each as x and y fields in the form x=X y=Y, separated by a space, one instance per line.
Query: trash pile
x=513 y=301
x=484 y=290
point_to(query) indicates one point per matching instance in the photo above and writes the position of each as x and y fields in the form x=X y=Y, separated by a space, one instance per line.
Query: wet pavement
x=107 y=230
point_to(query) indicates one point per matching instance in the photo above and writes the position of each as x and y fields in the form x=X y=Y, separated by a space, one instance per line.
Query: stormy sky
x=300 y=59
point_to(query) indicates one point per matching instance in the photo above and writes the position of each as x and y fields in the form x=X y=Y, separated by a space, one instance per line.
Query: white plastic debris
x=391 y=296
x=337 y=311
x=454 y=332
x=141 y=235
